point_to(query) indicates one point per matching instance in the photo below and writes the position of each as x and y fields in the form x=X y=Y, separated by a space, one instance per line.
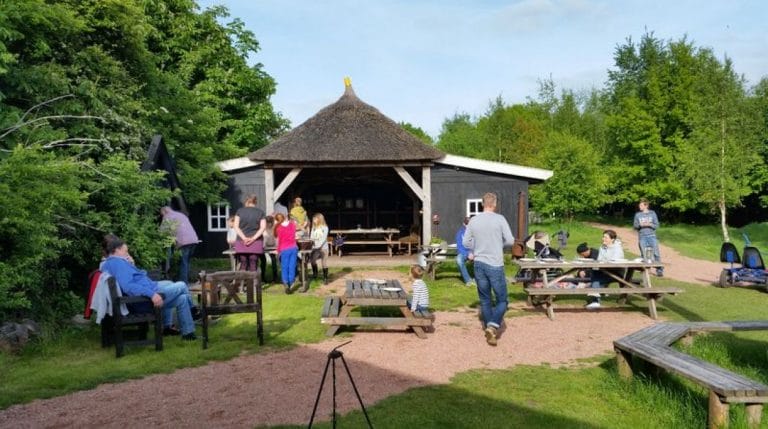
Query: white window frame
x=474 y=206
x=218 y=215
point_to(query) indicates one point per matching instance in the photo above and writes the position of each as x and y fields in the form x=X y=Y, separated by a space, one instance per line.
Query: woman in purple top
x=250 y=224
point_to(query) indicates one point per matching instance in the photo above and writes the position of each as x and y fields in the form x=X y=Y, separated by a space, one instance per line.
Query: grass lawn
x=588 y=395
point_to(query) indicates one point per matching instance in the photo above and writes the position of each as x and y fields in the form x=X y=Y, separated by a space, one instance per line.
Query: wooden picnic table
x=552 y=272
x=366 y=294
x=366 y=236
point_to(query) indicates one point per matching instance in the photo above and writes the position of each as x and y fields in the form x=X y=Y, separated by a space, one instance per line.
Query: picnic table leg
x=652 y=306
x=345 y=310
x=548 y=304
x=408 y=314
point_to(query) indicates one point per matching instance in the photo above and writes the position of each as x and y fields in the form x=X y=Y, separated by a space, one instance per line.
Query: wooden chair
x=229 y=282
x=130 y=329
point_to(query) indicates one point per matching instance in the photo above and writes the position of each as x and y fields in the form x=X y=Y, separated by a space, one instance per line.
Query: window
x=217 y=217
x=474 y=206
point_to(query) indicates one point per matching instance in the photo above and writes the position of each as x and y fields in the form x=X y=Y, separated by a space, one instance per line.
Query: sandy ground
x=280 y=387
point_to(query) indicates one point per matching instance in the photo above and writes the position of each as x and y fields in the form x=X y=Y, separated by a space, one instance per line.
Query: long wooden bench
x=388 y=243
x=652 y=345
x=651 y=293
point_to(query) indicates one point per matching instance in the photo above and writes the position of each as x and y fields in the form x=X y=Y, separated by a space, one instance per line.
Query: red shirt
x=286 y=236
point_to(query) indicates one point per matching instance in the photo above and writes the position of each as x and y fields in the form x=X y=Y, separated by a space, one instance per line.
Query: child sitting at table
x=420 y=298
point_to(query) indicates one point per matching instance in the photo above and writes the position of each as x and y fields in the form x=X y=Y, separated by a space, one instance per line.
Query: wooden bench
x=652 y=345
x=388 y=243
x=651 y=293
x=116 y=329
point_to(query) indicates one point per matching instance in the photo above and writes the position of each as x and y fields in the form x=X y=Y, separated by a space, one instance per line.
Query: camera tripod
x=332 y=356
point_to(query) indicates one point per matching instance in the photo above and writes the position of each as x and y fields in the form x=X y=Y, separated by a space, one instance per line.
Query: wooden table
x=364 y=294
x=367 y=236
x=303 y=256
x=434 y=255
x=552 y=272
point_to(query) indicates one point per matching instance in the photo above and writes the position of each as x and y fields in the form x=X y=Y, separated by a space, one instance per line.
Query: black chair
x=229 y=283
x=131 y=329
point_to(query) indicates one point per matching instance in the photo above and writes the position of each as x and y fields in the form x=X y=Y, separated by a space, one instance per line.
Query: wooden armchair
x=130 y=329
x=229 y=283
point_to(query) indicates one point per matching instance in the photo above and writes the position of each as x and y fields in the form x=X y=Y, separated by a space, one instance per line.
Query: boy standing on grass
x=646 y=223
x=420 y=298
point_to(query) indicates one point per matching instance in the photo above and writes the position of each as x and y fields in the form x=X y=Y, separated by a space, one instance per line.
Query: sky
x=424 y=61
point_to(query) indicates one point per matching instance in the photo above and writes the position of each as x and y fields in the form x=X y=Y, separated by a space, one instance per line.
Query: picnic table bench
x=434 y=255
x=652 y=345
x=552 y=273
x=364 y=294
x=548 y=294
x=364 y=236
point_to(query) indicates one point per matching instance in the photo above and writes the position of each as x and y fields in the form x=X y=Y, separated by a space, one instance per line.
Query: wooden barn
x=361 y=169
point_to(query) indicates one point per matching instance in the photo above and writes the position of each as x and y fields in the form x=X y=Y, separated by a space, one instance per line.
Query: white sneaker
x=594 y=305
x=471 y=283
x=490 y=335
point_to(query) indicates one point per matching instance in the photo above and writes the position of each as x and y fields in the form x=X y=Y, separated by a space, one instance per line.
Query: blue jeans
x=186 y=255
x=650 y=241
x=288 y=265
x=177 y=296
x=461 y=261
x=490 y=278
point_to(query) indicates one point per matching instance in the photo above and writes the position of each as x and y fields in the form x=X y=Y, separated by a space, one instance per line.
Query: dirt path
x=677 y=266
x=280 y=387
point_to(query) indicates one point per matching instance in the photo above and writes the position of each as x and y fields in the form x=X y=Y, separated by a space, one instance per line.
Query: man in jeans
x=486 y=236
x=646 y=223
x=186 y=238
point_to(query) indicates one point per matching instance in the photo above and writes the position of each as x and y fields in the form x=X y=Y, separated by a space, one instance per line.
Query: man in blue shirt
x=135 y=282
x=463 y=254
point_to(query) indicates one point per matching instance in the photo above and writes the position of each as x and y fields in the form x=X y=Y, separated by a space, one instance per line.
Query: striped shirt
x=420 y=295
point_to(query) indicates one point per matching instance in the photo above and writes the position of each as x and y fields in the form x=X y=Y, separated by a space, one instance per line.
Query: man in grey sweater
x=487 y=234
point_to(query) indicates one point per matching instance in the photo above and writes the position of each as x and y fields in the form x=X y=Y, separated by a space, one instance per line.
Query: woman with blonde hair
x=319 y=237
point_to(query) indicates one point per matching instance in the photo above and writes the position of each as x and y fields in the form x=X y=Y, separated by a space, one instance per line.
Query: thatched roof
x=348 y=130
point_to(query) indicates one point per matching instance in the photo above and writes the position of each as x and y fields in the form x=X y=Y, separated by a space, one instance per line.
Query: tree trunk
x=723 y=223
x=721 y=203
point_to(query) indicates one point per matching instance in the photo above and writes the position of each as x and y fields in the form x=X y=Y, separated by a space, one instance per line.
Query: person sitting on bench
x=135 y=282
x=611 y=250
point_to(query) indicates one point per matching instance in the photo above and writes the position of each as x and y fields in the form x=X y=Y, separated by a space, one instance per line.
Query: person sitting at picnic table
x=611 y=250
x=463 y=255
x=136 y=282
x=420 y=298
x=585 y=252
x=287 y=250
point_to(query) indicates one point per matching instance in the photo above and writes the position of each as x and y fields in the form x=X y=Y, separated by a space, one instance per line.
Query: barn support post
x=424 y=193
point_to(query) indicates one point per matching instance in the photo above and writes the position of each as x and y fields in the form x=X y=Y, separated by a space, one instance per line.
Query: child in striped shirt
x=420 y=299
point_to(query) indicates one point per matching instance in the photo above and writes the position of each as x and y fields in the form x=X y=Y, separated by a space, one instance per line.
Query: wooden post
x=754 y=414
x=623 y=364
x=718 y=412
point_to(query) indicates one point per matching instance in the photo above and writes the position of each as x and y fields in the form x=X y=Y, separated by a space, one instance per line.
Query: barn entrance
x=348 y=197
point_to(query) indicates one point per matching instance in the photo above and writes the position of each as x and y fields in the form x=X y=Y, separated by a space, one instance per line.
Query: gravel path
x=280 y=387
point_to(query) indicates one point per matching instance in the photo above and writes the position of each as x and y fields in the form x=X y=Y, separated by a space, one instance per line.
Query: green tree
x=578 y=185
x=417 y=132
x=720 y=158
